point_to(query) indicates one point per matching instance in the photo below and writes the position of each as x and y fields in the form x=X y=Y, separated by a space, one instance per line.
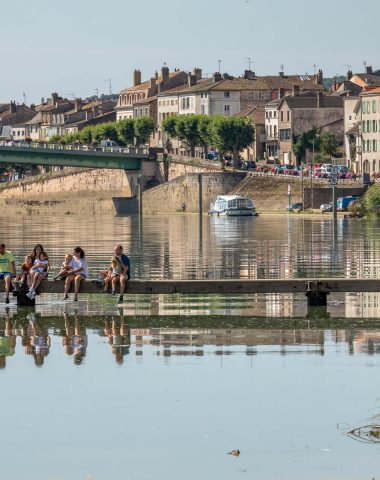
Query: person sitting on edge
x=66 y=266
x=123 y=276
x=78 y=273
x=115 y=270
x=40 y=265
x=25 y=270
x=7 y=269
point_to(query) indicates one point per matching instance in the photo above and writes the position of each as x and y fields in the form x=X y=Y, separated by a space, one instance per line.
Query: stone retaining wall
x=168 y=197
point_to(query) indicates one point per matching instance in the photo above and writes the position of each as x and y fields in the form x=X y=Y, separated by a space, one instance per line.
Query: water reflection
x=179 y=246
x=34 y=336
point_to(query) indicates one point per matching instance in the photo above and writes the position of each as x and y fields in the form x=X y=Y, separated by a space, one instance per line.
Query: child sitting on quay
x=40 y=266
x=113 y=274
x=67 y=265
x=25 y=270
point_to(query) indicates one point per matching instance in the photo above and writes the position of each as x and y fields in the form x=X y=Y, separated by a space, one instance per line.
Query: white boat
x=233 y=205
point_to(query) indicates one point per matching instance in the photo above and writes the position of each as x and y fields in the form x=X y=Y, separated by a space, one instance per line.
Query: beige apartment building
x=370 y=130
x=298 y=114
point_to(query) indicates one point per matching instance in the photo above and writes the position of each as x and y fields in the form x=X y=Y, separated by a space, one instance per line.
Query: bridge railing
x=78 y=148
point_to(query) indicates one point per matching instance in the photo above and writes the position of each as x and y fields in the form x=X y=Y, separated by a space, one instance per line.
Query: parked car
x=212 y=155
x=108 y=143
x=326 y=207
x=295 y=207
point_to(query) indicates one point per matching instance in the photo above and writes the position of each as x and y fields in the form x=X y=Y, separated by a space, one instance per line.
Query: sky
x=73 y=47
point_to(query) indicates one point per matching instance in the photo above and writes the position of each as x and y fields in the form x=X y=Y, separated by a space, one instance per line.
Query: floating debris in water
x=235 y=453
x=366 y=434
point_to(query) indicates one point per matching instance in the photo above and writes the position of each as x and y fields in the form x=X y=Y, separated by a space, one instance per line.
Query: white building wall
x=221 y=104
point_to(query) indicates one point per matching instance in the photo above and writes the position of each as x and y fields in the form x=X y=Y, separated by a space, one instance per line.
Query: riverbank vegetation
x=369 y=205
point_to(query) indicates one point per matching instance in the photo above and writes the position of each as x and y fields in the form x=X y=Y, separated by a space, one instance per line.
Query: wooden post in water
x=200 y=209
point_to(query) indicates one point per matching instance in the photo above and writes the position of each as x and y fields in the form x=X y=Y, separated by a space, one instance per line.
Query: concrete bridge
x=128 y=158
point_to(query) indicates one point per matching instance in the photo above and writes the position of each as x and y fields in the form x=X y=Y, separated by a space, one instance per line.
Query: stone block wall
x=168 y=197
x=71 y=182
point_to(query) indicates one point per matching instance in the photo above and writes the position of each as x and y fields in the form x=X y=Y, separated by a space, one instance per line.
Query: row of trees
x=327 y=144
x=130 y=131
x=227 y=134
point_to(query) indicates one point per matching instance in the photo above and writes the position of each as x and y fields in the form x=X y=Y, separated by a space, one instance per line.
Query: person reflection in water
x=75 y=339
x=119 y=337
x=39 y=344
x=7 y=341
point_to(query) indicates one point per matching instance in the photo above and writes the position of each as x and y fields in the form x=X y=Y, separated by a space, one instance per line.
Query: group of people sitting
x=36 y=268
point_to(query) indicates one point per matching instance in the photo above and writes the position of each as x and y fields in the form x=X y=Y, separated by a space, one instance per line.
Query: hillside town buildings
x=281 y=107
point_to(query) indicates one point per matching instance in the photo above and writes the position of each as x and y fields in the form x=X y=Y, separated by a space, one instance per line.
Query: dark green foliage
x=126 y=131
x=144 y=127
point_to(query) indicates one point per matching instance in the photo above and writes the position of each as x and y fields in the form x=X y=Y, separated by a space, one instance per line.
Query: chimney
x=281 y=92
x=296 y=90
x=249 y=75
x=319 y=100
x=12 y=107
x=217 y=77
x=136 y=77
x=152 y=83
x=161 y=87
x=54 y=99
x=165 y=73
x=78 y=104
x=191 y=80
x=281 y=74
x=197 y=72
x=368 y=70
x=319 y=77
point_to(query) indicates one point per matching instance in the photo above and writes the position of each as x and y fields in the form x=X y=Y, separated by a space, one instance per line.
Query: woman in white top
x=78 y=273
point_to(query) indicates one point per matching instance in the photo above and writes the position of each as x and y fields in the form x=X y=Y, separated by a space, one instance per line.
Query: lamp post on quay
x=312 y=172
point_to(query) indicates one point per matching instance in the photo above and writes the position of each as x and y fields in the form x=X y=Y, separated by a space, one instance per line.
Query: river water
x=165 y=386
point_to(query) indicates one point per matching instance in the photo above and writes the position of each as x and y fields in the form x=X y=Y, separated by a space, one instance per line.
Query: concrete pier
x=315 y=289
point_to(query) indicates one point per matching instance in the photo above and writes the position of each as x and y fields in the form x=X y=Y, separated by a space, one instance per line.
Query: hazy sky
x=74 y=46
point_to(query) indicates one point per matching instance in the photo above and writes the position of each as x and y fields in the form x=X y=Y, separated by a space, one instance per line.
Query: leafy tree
x=329 y=144
x=126 y=131
x=304 y=142
x=105 y=131
x=232 y=134
x=85 y=135
x=169 y=126
x=187 y=131
x=55 y=138
x=204 y=126
x=144 y=127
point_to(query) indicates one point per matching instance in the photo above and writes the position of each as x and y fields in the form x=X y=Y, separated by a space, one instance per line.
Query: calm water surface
x=163 y=387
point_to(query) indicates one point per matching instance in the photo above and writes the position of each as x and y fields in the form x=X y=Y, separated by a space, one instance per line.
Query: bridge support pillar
x=316 y=296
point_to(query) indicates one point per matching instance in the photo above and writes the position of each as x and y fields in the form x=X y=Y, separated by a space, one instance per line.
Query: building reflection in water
x=32 y=335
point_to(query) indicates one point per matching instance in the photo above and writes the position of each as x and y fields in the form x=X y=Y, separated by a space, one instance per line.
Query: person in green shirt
x=7 y=269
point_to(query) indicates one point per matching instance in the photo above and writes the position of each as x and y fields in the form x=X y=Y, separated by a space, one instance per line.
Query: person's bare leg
x=7 y=281
x=68 y=280
x=35 y=282
x=78 y=279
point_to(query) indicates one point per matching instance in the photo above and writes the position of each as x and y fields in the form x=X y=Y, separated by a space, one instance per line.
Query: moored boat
x=233 y=205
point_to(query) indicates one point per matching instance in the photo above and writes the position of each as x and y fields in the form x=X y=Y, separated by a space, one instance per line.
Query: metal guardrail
x=77 y=148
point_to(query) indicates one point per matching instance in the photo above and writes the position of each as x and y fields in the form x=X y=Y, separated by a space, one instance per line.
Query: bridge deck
x=223 y=287
x=126 y=158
